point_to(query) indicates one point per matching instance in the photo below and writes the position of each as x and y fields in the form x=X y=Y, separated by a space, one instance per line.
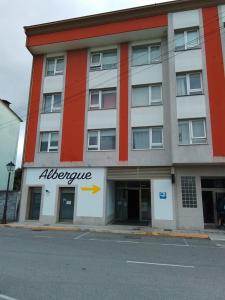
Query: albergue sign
x=70 y=176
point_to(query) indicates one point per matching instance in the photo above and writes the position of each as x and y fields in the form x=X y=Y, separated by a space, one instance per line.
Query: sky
x=16 y=61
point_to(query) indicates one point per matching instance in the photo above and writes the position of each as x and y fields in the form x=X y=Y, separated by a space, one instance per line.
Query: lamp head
x=10 y=166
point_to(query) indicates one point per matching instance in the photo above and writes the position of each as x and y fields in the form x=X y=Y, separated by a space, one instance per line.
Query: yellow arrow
x=94 y=189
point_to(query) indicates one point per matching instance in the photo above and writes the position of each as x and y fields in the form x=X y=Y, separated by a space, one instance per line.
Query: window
x=192 y=132
x=103 y=60
x=51 y=103
x=188 y=188
x=146 y=54
x=189 y=84
x=147 y=95
x=147 y=138
x=49 y=141
x=102 y=99
x=188 y=39
x=54 y=66
x=104 y=139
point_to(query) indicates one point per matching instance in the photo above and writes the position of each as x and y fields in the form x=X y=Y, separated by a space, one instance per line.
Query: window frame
x=191 y=136
x=93 y=147
x=149 y=46
x=49 y=147
x=100 y=101
x=56 y=73
x=190 y=92
x=98 y=145
x=185 y=37
x=150 y=139
x=52 y=110
x=188 y=191
x=150 y=101
x=99 y=66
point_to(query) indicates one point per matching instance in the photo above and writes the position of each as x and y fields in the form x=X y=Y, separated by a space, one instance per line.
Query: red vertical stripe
x=35 y=94
x=74 y=106
x=216 y=80
x=123 y=122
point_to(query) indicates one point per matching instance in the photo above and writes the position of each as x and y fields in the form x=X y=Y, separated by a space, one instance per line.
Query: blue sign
x=162 y=195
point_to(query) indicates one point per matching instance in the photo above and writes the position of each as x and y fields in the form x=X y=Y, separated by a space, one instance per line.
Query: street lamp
x=10 y=167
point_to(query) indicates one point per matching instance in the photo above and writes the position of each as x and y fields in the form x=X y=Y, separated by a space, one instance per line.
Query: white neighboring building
x=9 y=135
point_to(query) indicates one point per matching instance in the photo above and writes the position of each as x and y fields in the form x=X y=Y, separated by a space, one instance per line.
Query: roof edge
x=119 y=15
x=6 y=103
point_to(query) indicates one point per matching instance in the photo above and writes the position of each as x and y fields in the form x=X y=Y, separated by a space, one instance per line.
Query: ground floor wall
x=89 y=194
x=175 y=194
x=94 y=196
x=191 y=216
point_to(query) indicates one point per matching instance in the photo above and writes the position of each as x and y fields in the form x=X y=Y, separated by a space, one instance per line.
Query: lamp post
x=10 y=167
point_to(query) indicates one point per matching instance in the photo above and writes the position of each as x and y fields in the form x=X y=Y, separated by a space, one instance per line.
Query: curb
x=174 y=234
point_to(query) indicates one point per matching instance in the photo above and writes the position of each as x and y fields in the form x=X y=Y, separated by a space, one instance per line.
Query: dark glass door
x=133 y=205
x=220 y=206
x=121 y=204
x=208 y=207
x=35 y=203
x=66 y=204
x=145 y=204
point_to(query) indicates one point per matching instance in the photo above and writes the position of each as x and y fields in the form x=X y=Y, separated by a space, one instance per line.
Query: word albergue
x=71 y=176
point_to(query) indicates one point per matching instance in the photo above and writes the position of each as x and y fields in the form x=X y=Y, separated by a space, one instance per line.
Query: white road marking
x=186 y=242
x=134 y=242
x=221 y=246
x=158 y=264
x=7 y=297
x=81 y=235
x=177 y=245
x=43 y=236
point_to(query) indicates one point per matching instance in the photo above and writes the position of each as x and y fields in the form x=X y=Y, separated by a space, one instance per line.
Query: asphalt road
x=80 y=265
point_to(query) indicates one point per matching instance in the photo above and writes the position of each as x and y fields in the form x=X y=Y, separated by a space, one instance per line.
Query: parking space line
x=133 y=242
x=4 y=297
x=43 y=236
x=81 y=235
x=221 y=246
x=158 y=264
x=177 y=245
x=186 y=242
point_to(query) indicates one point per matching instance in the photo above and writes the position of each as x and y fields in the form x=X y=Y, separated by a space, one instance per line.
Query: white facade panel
x=103 y=79
x=53 y=84
x=50 y=122
x=146 y=74
x=86 y=203
x=190 y=60
x=185 y=19
x=222 y=14
x=162 y=199
x=147 y=116
x=185 y=107
x=98 y=119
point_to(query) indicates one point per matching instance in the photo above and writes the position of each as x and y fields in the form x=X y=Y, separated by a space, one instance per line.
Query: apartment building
x=126 y=119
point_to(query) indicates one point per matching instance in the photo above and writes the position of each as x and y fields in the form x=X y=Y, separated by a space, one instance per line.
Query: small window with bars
x=188 y=188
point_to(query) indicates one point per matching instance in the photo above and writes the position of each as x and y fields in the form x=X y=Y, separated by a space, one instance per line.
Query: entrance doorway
x=213 y=200
x=133 y=202
x=66 y=210
x=34 y=203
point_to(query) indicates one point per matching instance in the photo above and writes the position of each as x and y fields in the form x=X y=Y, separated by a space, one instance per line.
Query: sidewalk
x=124 y=229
